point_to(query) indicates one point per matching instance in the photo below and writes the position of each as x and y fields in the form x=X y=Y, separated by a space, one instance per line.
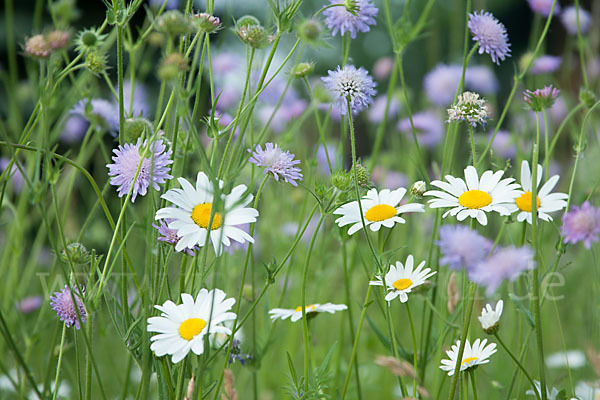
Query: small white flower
x=474 y=197
x=472 y=355
x=489 y=317
x=546 y=202
x=182 y=327
x=401 y=279
x=192 y=215
x=296 y=314
x=381 y=209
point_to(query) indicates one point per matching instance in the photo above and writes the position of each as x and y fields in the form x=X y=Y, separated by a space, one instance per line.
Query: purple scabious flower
x=545 y=64
x=139 y=104
x=276 y=161
x=505 y=263
x=321 y=156
x=74 y=129
x=29 y=304
x=543 y=7
x=377 y=110
x=383 y=68
x=102 y=112
x=490 y=35
x=481 y=78
x=353 y=83
x=154 y=169
x=339 y=19
x=569 y=20
x=441 y=84
x=462 y=247
x=62 y=303
x=470 y=108
x=581 y=224
x=540 y=99
x=170 y=236
x=429 y=127
x=503 y=145
x=15 y=175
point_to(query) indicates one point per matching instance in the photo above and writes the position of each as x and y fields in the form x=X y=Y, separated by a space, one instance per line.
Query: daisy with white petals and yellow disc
x=401 y=279
x=546 y=202
x=474 y=197
x=478 y=353
x=182 y=327
x=379 y=208
x=191 y=216
x=311 y=310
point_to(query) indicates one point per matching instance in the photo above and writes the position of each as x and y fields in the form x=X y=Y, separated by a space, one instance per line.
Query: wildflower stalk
x=415 y=353
x=59 y=362
x=303 y=305
x=519 y=365
x=319 y=126
x=535 y=245
x=473 y=146
x=472 y=378
x=349 y=303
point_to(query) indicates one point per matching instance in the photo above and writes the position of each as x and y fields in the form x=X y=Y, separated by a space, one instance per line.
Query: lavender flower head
x=506 y=263
x=540 y=99
x=581 y=224
x=276 y=161
x=74 y=129
x=429 y=127
x=462 y=247
x=15 y=175
x=62 y=303
x=545 y=64
x=170 y=235
x=569 y=20
x=469 y=107
x=490 y=35
x=377 y=110
x=350 y=82
x=102 y=112
x=30 y=304
x=481 y=78
x=340 y=19
x=154 y=169
x=543 y=7
x=441 y=84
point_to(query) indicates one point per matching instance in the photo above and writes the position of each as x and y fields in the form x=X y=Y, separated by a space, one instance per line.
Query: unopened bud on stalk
x=303 y=69
x=171 y=66
x=363 y=176
x=58 y=39
x=37 y=46
x=136 y=127
x=75 y=252
x=206 y=23
x=310 y=30
x=174 y=22
x=418 y=189
x=95 y=62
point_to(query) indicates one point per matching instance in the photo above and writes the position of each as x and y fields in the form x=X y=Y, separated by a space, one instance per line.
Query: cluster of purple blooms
x=581 y=224
x=462 y=247
x=353 y=84
x=67 y=310
x=341 y=20
x=277 y=162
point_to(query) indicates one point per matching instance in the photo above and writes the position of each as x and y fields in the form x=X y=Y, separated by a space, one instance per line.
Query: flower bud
x=587 y=97
x=206 y=23
x=363 y=176
x=136 y=127
x=303 y=69
x=341 y=181
x=171 y=66
x=75 y=252
x=418 y=189
x=310 y=30
x=174 y=23
x=37 y=46
x=58 y=39
x=254 y=35
x=95 y=62
x=88 y=40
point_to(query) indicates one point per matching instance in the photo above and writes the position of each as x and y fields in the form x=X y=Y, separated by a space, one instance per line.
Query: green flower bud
x=76 y=252
x=310 y=30
x=254 y=35
x=418 y=189
x=136 y=127
x=587 y=97
x=341 y=181
x=171 y=66
x=303 y=69
x=174 y=23
x=247 y=20
x=206 y=23
x=363 y=176
x=95 y=62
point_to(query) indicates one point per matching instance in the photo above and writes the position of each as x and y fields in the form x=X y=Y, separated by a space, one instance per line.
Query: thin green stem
x=472 y=378
x=59 y=362
x=415 y=352
x=518 y=364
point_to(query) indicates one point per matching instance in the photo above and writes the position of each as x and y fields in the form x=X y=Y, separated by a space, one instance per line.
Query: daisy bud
x=490 y=318
x=174 y=23
x=95 y=62
x=37 y=46
x=362 y=175
x=75 y=252
x=206 y=23
x=303 y=69
x=136 y=128
x=541 y=98
x=587 y=97
x=58 y=39
x=310 y=31
x=171 y=66
x=418 y=189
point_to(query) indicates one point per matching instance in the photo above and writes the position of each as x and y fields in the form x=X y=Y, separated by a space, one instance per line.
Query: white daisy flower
x=474 y=196
x=546 y=202
x=490 y=318
x=381 y=209
x=182 y=327
x=472 y=355
x=191 y=216
x=311 y=311
x=550 y=394
x=401 y=279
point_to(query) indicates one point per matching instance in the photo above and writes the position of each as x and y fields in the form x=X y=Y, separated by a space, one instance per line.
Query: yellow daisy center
x=468 y=360
x=201 y=216
x=402 y=284
x=380 y=212
x=474 y=199
x=191 y=327
x=524 y=202
x=308 y=308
